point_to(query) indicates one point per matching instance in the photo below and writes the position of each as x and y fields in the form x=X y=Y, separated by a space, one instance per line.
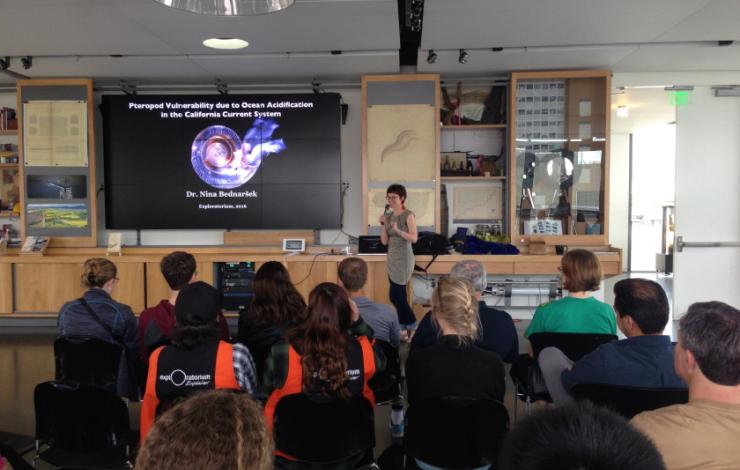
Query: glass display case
x=559 y=157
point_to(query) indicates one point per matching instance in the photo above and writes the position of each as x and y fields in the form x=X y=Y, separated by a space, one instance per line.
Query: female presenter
x=399 y=232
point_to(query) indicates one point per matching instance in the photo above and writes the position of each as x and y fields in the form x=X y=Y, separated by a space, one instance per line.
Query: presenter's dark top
x=498 y=333
x=451 y=368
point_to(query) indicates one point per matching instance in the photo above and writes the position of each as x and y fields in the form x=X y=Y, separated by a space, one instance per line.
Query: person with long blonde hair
x=455 y=366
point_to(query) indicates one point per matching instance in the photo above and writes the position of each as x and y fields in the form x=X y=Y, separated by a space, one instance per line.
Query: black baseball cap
x=197 y=304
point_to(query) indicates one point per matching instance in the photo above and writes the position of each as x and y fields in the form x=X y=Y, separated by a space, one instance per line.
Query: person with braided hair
x=454 y=365
x=96 y=314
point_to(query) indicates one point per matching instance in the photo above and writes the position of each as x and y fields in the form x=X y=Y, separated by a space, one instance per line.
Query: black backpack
x=430 y=243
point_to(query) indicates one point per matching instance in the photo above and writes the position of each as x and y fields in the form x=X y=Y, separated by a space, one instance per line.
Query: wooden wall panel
x=6 y=289
x=130 y=287
x=44 y=287
x=377 y=284
x=156 y=287
x=307 y=277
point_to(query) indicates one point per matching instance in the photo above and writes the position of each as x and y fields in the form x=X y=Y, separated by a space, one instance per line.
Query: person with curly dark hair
x=328 y=357
x=217 y=430
x=277 y=307
x=157 y=323
x=196 y=360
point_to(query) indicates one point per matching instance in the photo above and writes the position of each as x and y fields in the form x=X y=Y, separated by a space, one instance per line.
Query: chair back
x=322 y=432
x=629 y=401
x=456 y=432
x=386 y=385
x=573 y=345
x=87 y=360
x=82 y=425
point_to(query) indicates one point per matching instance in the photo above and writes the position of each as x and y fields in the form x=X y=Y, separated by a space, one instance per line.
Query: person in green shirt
x=579 y=312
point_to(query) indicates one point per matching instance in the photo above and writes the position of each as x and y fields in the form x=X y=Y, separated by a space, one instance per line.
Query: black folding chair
x=323 y=434
x=386 y=385
x=629 y=401
x=526 y=374
x=80 y=426
x=456 y=432
x=88 y=360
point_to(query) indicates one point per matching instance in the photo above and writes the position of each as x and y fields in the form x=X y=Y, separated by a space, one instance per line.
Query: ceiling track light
x=27 y=62
x=228 y=7
x=463 y=57
x=431 y=57
x=5 y=63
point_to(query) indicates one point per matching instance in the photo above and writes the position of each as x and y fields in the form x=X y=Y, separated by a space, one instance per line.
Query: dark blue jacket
x=641 y=361
x=75 y=320
x=498 y=333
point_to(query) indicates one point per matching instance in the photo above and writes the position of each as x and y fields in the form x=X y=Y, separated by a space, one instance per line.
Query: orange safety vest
x=294 y=383
x=223 y=378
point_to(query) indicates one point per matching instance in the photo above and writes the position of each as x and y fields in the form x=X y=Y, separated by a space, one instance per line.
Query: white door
x=707 y=199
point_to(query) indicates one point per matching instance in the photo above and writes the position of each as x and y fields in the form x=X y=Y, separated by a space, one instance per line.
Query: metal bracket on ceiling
x=128 y=88
x=222 y=87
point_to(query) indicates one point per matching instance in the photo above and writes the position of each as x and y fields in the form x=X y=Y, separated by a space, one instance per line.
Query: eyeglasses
x=392 y=197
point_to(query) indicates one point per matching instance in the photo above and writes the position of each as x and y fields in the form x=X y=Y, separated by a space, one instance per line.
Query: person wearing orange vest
x=330 y=356
x=197 y=359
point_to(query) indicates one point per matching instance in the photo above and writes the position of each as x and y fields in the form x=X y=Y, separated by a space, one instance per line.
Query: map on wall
x=476 y=204
x=419 y=201
x=401 y=142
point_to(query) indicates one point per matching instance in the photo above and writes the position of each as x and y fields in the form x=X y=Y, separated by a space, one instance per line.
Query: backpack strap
x=100 y=322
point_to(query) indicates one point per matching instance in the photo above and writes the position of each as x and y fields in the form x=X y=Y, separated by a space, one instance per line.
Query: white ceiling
x=78 y=37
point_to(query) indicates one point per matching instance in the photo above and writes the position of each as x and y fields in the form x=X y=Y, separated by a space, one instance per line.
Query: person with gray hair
x=497 y=331
x=703 y=433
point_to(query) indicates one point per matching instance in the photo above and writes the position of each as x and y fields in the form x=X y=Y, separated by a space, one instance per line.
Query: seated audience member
x=97 y=314
x=197 y=359
x=454 y=366
x=157 y=323
x=497 y=332
x=276 y=308
x=644 y=359
x=705 y=432
x=577 y=437
x=215 y=430
x=579 y=312
x=380 y=317
x=318 y=355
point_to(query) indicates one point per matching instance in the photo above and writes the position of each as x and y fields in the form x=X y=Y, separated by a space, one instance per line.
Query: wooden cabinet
x=473 y=162
x=559 y=157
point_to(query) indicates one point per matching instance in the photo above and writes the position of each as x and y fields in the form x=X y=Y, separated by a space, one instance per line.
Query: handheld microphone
x=387 y=209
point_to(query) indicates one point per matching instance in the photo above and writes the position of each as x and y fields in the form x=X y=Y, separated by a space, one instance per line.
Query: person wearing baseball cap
x=197 y=359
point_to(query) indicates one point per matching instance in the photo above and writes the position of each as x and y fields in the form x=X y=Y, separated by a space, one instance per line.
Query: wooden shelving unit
x=9 y=132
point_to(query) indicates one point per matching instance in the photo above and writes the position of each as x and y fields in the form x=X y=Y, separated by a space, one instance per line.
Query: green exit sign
x=678 y=98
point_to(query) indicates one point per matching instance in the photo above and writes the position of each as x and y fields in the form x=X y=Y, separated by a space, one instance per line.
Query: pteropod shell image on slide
x=222 y=160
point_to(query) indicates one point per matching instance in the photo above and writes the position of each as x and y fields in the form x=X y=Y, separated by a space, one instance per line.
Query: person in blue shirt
x=382 y=318
x=644 y=359
x=498 y=333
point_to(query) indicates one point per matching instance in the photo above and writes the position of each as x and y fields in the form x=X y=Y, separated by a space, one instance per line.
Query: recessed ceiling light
x=225 y=43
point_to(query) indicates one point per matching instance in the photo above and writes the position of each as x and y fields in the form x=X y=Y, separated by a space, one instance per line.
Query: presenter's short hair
x=397 y=189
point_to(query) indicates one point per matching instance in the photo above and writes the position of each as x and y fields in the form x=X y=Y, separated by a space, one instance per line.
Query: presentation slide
x=213 y=161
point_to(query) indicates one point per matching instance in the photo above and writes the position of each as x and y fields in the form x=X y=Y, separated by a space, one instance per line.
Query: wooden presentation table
x=38 y=285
